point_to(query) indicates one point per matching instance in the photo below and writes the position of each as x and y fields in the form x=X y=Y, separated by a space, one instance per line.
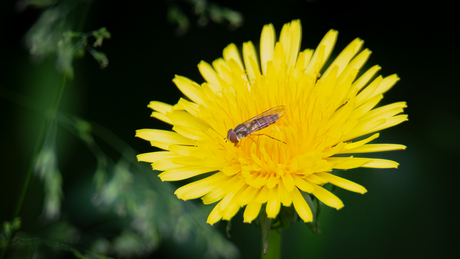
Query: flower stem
x=274 y=250
x=271 y=239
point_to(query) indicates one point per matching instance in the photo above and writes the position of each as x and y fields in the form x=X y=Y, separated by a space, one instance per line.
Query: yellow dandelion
x=313 y=116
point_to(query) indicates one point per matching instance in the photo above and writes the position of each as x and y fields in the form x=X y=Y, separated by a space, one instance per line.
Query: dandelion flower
x=329 y=116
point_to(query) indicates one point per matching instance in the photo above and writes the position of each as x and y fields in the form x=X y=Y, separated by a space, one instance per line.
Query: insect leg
x=268 y=136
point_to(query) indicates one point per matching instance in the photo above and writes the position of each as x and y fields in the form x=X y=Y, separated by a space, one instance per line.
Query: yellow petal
x=356 y=63
x=304 y=59
x=252 y=211
x=163 y=136
x=387 y=83
x=267 y=45
x=210 y=76
x=343 y=183
x=231 y=52
x=222 y=188
x=354 y=145
x=284 y=196
x=263 y=195
x=231 y=170
x=259 y=181
x=184 y=118
x=290 y=37
x=248 y=195
x=165 y=164
x=190 y=89
x=273 y=203
x=160 y=145
x=371 y=148
x=322 y=52
x=345 y=56
x=366 y=107
x=316 y=62
x=182 y=173
x=302 y=184
x=180 y=160
x=327 y=197
x=250 y=60
x=366 y=77
x=367 y=93
x=199 y=188
x=386 y=111
x=230 y=211
x=365 y=127
x=182 y=150
x=272 y=181
x=288 y=182
x=348 y=162
x=161 y=116
x=231 y=191
x=390 y=122
x=301 y=206
x=190 y=132
x=213 y=161
x=381 y=163
x=316 y=180
x=154 y=156
x=215 y=215
x=190 y=107
x=239 y=78
x=223 y=71
x=160 y=107
x=213 y=196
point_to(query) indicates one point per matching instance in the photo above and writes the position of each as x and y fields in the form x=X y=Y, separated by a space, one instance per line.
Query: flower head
x=287 y=152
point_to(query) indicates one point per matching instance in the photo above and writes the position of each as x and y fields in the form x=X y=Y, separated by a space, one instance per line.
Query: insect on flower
x=256 y=123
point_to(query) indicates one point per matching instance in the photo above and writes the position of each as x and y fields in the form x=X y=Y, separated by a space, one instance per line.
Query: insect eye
x=232 y=137
x=229 y=132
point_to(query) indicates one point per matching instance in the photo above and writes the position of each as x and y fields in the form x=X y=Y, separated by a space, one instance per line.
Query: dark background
x=407 y=212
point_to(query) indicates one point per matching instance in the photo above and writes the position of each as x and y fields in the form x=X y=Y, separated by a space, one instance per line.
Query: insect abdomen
x=263 y=122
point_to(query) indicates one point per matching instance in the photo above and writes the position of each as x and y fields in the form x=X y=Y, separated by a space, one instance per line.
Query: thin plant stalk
x=38 y=146
x=274 y=249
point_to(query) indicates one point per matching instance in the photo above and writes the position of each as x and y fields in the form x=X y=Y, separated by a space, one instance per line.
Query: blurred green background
x=115 y=206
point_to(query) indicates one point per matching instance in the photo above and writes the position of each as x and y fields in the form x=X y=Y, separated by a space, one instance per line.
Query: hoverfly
x=256 y=123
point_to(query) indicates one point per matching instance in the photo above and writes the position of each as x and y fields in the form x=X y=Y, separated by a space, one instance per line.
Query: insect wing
x=265 y=119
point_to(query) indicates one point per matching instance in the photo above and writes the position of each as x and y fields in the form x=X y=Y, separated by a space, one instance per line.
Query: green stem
x=38 y=146
x=25 y=185
x=41 y=137
x=57 y=101
x=271 y=239
x=274 y=249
